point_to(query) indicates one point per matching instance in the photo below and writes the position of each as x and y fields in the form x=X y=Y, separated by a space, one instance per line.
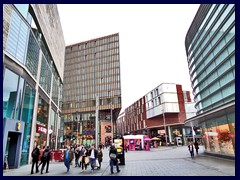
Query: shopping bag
x=80 y=159
x=87 y=160
x=97 y=163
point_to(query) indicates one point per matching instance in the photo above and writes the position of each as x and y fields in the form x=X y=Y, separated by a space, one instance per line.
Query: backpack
x=34 y=152
x=45 y=155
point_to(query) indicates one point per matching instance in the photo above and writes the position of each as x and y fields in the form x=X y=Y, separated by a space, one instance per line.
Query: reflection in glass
x=27 y=116
x=10 y=84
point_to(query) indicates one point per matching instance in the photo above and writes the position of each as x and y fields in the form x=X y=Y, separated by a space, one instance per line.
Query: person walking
x=84 y=159
x=40 y=156
x=35 y=158
x=191 y=148
x=45 y=159
x=68 y=157
x=77 y=156
x=93 y=156
x=100 y=157
x=113 y=158
x=196 y=146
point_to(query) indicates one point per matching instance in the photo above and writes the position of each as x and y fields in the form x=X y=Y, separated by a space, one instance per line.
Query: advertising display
x=119 y=144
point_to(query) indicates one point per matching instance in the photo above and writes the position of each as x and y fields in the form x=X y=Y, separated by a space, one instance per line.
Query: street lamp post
x=96 y=122
x=164 y=125
x=112 y=120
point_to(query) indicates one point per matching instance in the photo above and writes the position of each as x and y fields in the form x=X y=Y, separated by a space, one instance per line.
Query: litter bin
x=119 y=145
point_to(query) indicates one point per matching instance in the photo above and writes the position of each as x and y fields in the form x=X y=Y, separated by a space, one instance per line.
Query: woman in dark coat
x=100 y=157
x=196 y=146
x=83 y=158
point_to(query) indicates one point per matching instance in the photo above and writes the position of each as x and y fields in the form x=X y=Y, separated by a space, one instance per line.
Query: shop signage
x=18 y=126
x=211 y=133
x=41 y=129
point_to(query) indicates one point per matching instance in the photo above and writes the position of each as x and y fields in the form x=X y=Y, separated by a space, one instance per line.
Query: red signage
x=41 y=129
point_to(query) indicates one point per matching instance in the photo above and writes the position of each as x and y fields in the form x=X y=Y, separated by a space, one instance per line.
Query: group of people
x=83 y=157
x=43 y=155
x=191 y=147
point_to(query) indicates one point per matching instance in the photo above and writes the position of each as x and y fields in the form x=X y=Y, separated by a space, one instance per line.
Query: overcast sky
x=152 y=41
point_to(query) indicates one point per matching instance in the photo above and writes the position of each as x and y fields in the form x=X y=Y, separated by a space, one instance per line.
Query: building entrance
x=12 y=142
x=12 y=152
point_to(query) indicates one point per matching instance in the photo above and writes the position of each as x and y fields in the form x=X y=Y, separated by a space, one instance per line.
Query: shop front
x=218 y=131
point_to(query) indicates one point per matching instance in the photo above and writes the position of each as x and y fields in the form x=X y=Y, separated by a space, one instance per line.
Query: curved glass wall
x=212 y=72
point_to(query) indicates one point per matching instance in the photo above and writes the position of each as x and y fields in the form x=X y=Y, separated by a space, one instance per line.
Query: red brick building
x=163 y=110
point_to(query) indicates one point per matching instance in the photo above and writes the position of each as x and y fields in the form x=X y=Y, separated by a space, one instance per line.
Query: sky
x=151 y=38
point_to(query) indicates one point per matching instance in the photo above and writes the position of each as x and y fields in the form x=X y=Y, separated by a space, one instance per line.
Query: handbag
x=87 y=160
x=113 y=156
x=80 y=159
x=97 y=163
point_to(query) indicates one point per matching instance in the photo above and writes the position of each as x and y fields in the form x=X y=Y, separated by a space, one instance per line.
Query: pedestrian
x=196 y=146
x=113 y=158
x=45 y=159
x=40 y=156
x=93 y=156
x=77 y=156
x=35 y=158
x=126 y=146
x=191 y=148
x=84 y=159
x=100 y=157
x=68 y=157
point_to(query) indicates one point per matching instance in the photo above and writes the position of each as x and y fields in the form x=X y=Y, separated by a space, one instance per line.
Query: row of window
x=99 y=42
x=98 y=77
x=95 y=50
x=81 y=68
x=92 y=103
x=85 y=93
x=112 y=60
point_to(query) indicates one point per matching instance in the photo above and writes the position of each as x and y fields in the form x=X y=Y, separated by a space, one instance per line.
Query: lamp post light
x=96 y=122
x=112 y=120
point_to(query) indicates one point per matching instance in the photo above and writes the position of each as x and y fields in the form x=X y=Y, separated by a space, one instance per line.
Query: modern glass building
x=33 y=62
x=91 y=74
x=210 y=48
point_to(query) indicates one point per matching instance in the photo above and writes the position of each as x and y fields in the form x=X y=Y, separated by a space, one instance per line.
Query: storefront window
x=9 y=93
x=17 y=38
x=27 y=115
x=32 y=54
x=219 y=136
x=45 y=75
x=42 y=122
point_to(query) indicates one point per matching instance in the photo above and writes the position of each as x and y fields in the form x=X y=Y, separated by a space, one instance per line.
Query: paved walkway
x=163 y=161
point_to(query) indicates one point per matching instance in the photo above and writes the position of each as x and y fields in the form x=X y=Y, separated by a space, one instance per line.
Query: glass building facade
x=32 y=82
x=92 y=68
x=210 y=48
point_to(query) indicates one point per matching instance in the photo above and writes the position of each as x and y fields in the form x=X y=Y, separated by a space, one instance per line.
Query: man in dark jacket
x=45 y=159
x=93 y=156
x=113 y=158
x=35 y=158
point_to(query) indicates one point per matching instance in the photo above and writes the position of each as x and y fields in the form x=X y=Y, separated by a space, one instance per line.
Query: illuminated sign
x=18 y=126
x=41 y=129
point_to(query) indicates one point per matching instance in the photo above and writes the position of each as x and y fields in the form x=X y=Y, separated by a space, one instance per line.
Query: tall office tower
x=91 y=74
x=33 y=63
x=210 y=48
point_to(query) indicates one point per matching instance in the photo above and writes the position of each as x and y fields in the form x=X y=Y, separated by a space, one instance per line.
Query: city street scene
x=91 y=91
x=164 y=161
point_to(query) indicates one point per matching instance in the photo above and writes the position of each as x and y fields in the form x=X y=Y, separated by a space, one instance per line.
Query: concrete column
x=49 y=111
x=169 y=134
x=34 y=119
